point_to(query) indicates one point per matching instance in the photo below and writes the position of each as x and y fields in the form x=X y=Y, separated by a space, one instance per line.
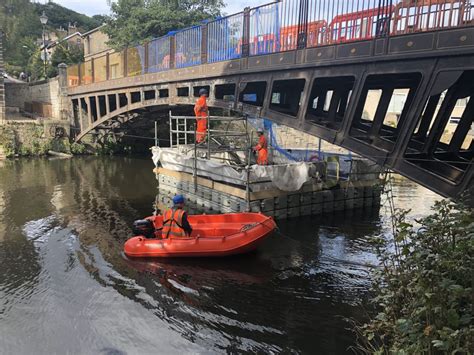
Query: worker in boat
x=175 y=220
x=201 y=111
x=261 y=148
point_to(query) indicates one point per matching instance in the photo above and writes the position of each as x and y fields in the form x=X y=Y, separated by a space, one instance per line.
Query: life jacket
x=200 y=109
x=262 y=143
x=173 y=224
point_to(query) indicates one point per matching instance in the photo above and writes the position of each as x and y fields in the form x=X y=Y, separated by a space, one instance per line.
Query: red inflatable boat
x=213 y=235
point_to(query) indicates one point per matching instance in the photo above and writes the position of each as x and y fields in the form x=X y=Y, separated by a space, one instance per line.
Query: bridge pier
x=2 y=86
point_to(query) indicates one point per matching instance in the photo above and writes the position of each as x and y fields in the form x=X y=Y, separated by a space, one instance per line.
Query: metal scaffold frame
x=182 y=135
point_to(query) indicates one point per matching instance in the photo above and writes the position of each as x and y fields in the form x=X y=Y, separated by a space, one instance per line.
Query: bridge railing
x=276 y=27
x=159 y=52
x=188 y=44
x=224 y=38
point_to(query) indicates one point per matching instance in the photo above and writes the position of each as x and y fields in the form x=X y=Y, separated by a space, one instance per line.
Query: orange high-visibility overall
x=200 y=110
x=173 y=224
x=262 y=149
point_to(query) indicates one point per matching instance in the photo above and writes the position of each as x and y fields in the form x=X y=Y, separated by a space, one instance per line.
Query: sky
x=98 y=7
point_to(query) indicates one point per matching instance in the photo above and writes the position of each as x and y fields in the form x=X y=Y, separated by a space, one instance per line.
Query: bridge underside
x=348 y=102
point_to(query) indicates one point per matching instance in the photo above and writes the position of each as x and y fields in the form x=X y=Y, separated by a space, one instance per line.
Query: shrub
x=78 y=148
x=424 y=288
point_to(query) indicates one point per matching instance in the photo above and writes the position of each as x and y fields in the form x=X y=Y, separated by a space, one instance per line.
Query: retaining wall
x=45 y=99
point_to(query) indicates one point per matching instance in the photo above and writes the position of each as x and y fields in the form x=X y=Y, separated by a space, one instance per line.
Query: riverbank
x=26 y=139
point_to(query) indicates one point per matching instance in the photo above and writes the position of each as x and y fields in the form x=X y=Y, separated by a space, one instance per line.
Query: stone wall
x=2 y=88
x=16 y=94
x=45 y=99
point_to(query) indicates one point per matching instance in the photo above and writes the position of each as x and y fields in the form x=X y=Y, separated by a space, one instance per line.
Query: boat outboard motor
x=144 y=227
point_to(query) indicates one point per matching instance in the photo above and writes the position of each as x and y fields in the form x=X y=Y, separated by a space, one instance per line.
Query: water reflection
x=66 y=282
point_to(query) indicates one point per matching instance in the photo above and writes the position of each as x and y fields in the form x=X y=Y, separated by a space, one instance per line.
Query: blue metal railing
x=224 y=38
x=188 y=47
x=159 y=52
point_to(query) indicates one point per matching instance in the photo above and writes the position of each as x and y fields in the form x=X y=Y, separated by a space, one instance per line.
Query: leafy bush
x=78 y=148
x=424 y=288
x=8 y=140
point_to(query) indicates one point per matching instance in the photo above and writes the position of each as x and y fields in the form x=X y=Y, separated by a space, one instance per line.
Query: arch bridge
x=391 y=82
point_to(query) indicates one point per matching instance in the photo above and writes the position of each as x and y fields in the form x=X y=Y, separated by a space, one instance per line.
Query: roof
x=93 y=30
x=55 y=43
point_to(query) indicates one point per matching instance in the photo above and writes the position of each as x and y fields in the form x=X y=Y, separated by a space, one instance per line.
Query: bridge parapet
x=290 y=26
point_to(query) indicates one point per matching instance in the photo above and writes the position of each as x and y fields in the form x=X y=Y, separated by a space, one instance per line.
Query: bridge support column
x=81 y=117
x=65 y=109
x=107 y=104
x=2 y=87
x=97 y=107
x=89 y=110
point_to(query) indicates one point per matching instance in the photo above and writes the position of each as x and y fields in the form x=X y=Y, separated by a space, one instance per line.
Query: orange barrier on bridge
x=213 y=235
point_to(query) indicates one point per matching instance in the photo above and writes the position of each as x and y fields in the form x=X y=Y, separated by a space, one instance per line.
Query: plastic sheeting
x=288 y=177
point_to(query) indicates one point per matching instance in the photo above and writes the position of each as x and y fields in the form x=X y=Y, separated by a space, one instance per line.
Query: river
x=65 y=286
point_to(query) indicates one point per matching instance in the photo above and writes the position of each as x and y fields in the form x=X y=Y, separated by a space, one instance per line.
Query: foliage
x=35 y=68
x=61 y=145
x=424 y=289
x=109 y=146
x=8 y=140
x=19 y=19
x=78 y=148
x=59 y=16
x=66 y=53
x=134 y=21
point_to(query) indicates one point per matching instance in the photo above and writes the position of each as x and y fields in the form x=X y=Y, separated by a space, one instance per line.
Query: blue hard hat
x=203 y=92
x=178 y=199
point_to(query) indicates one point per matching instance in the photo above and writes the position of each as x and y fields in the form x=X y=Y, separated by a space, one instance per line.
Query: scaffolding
x=225 y=141
x=183 y=133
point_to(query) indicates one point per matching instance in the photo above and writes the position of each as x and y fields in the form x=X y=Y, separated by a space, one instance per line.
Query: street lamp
x=44 y=21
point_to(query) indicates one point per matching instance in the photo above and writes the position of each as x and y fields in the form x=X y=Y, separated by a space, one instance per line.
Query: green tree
x=60 y=16
x=134 y=21
x=66 y=53
x=19 y=19
x=35 y=68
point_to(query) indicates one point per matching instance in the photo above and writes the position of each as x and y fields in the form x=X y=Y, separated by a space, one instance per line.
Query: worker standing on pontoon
x=201 y=111
x=261 y=148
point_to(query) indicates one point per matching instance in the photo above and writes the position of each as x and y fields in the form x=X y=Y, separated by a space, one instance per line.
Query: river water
x=65 y=286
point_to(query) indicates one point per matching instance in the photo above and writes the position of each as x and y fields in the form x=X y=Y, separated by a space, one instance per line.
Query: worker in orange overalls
x=201 y=111
x=175 y=220
x=261 y=148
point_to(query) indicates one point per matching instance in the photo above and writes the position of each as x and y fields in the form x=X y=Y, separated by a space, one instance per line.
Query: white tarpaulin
x=287 y=177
